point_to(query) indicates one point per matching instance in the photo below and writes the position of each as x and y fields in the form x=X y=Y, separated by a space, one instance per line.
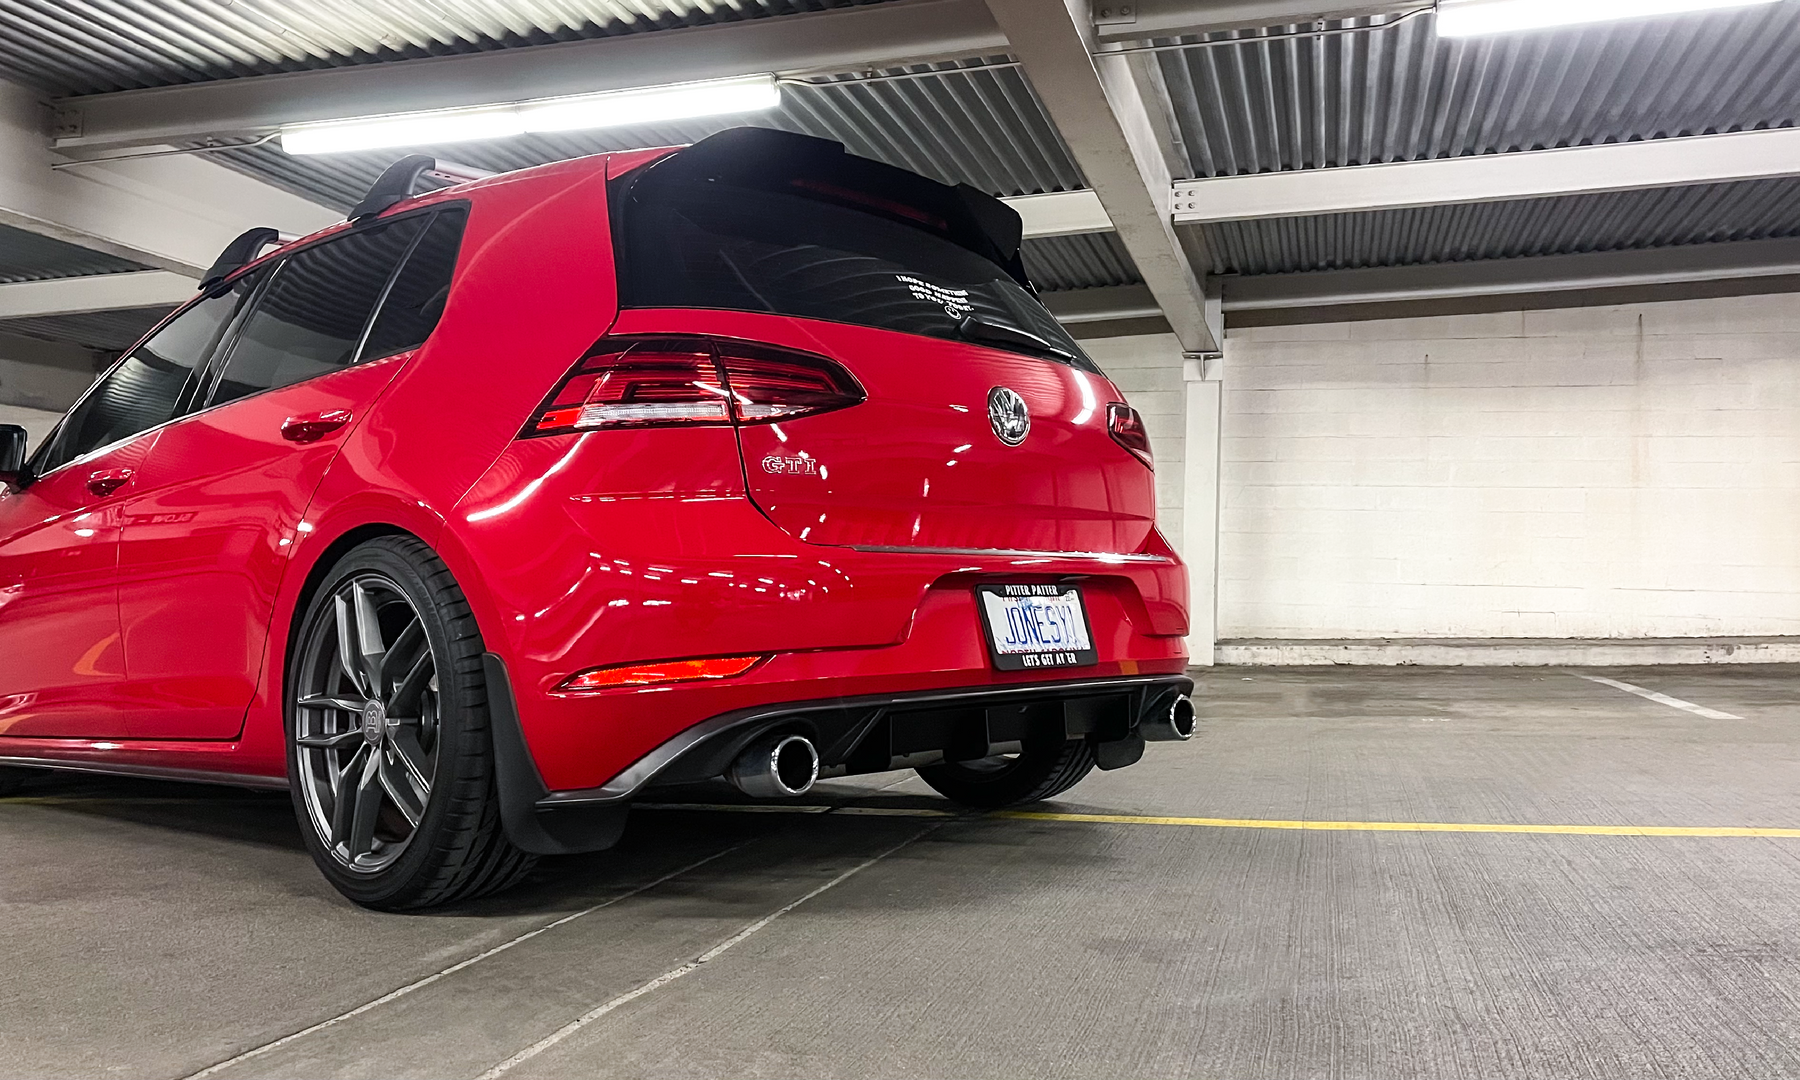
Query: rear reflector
x=1127 y=429
x=665 y=671
x=666 y=382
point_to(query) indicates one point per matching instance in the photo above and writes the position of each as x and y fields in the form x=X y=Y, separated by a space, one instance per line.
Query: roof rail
x=240 y=252
x=397 y=181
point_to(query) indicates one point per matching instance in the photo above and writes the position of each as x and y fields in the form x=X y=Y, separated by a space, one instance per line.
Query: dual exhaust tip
x=785 y=765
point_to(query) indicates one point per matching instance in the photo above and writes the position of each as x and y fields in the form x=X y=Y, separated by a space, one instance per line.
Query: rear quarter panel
x=533 y=289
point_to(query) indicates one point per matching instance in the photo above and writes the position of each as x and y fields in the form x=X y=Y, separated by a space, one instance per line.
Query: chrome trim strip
x=1012 y=553
x=642 y=771
x=151 y=772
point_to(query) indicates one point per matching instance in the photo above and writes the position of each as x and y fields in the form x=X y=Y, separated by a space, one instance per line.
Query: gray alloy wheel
x=366 y=723
x=390 y=756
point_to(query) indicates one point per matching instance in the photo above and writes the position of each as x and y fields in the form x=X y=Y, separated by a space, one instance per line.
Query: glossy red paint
x=204 y=547
x=61 y=659
x=150 y=628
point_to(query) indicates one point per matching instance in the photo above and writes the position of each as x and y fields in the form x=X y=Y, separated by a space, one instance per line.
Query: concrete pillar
x=1200 y=504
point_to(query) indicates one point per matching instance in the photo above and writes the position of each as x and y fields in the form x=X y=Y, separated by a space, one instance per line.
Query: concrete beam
x=95 y=292
x=1103 y=304
x=1061 y=213
x=1576 y=170
x=1737 y=260
x=1096 y=105
x=173 y=213
x=850 y=39
x=1119 y=20
x=1515 y=277
x=840 y=40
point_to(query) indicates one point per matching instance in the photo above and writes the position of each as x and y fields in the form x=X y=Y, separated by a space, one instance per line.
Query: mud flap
x=567 y=830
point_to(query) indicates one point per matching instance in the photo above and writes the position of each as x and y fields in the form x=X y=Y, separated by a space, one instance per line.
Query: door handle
x=314 y=426
x=107 y=481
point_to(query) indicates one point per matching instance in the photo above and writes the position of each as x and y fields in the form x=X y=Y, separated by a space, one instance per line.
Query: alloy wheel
x=366 y=722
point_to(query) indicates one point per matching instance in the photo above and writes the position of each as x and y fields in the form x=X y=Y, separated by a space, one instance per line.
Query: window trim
x=221 y=358
x=227 y=342
x=194 y=377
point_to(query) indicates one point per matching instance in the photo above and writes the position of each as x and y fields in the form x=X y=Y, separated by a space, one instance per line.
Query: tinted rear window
x=694 y=243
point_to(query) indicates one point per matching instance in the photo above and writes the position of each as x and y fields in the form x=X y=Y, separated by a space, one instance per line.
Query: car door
x=220 y=500
x=62 y=659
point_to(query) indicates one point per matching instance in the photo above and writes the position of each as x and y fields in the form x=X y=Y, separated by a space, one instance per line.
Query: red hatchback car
x=473 y=518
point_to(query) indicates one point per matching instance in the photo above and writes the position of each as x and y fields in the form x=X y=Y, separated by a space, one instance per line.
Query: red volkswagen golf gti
x=474 y=518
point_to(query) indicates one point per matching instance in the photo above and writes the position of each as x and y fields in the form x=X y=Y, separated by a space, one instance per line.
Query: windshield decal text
x=955 y=302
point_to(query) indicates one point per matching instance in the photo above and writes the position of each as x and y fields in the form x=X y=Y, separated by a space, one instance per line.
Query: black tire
x=1043 y=769
x=457 y=848
x=12 y=779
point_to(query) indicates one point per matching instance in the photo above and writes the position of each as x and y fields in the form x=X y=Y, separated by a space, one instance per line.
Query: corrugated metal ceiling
x=1402 y=93
x=94 y=46
x=107 y=331
x=965 y=122
x=1250 y=106
x=27 y=256
x=1752 y=210
x=1084 y=261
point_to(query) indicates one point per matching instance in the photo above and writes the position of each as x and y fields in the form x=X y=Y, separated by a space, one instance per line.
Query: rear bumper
x=866 y=733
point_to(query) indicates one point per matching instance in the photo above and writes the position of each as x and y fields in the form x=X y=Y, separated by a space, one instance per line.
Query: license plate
x=1035 y=626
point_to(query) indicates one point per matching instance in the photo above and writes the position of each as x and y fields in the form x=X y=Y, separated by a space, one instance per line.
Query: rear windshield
x=700 y=243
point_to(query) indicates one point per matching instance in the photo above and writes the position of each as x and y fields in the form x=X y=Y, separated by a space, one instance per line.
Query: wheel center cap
x=374 y=716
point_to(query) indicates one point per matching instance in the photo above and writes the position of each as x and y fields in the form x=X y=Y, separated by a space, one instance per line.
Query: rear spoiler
x=768 y=159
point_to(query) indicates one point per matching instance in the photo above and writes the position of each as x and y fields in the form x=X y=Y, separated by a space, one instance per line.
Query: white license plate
x=1030 y=627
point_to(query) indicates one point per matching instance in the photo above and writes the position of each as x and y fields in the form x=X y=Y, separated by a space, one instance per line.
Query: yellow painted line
x=1403 y=826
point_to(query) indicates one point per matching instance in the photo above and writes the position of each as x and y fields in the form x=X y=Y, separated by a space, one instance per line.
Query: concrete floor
x=153 y=930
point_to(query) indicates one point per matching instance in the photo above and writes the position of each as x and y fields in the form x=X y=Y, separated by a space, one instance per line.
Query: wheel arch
x=320 y=566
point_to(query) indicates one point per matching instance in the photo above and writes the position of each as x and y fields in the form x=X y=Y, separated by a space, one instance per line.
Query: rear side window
x=144 y=389
x=416 y=300
x=310 y=318
x=691 y=243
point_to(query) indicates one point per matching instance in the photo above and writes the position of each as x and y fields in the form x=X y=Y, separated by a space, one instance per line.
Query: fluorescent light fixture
x=1462 y=18
x=610 y=109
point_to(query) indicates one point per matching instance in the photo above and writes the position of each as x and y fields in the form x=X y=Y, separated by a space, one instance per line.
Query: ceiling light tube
x=1464 y=18
x=656 y=104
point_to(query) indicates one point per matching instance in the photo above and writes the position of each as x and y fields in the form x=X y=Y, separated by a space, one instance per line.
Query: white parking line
x=420 y=984
x=690 y=967
x=1660 y=699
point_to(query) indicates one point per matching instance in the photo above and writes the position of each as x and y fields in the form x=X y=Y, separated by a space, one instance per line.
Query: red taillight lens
x=770 y=385
x=666 y=671
x=1127 y=429
x=687 y=381
x=637 y=384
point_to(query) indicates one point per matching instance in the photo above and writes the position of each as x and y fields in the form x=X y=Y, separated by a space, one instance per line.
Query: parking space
x=1247 y=910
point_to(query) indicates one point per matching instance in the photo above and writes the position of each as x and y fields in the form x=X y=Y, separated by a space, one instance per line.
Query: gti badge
x=786 y=465
x=1008 y=416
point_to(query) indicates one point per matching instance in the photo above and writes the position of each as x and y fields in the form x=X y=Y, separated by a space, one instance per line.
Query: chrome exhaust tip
x=1169 y=719
x=777 y=767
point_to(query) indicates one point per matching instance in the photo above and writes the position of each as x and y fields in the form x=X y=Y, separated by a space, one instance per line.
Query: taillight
x=770 y=384
x=1127 y=429
x=637 y=384
x=665 y=382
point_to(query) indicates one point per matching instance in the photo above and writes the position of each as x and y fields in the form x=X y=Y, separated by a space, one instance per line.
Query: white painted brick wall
x=1148 y=370
x=1601 y=472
